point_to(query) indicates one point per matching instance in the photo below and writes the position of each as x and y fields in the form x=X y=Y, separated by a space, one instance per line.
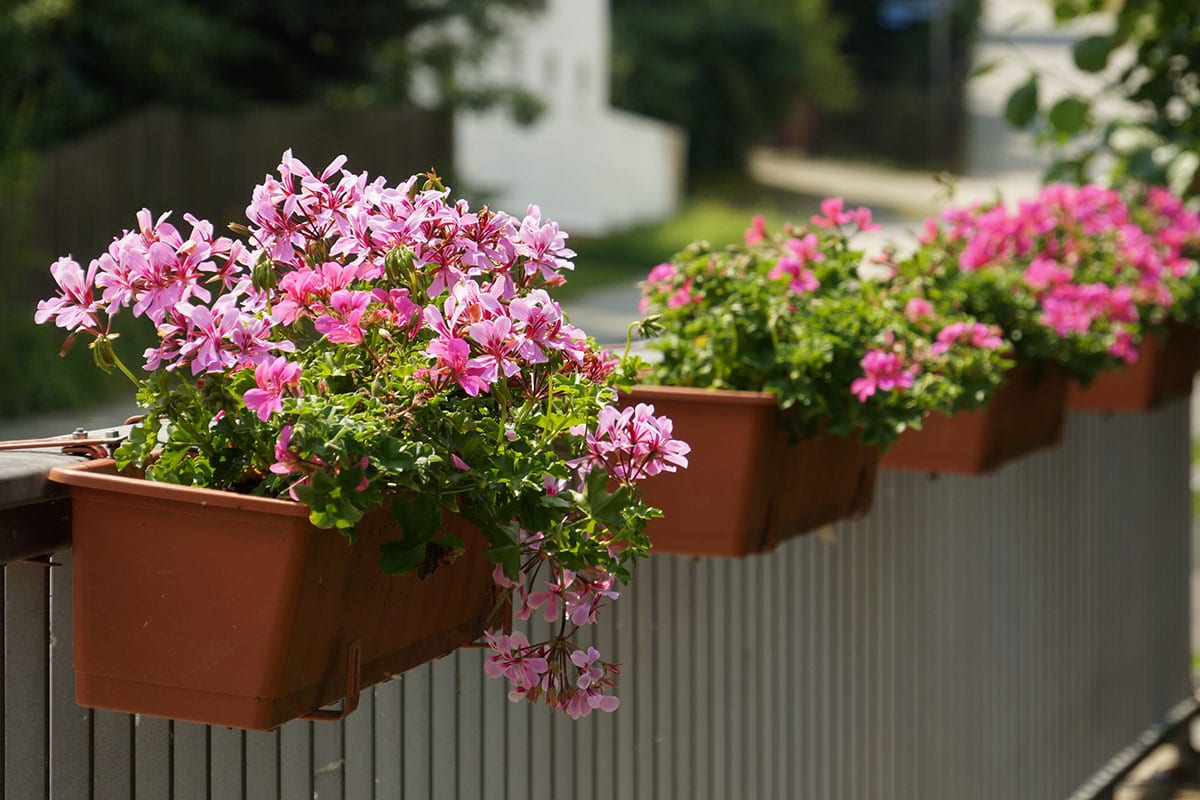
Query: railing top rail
x=34 y=512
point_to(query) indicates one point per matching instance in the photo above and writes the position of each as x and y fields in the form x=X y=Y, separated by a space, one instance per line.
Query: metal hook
x=353 y=688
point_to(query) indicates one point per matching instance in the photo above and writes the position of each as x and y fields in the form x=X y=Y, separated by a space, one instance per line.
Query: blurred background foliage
x=69 y=65
x=876 y=79
x=1144 y=126
x=912 y=60
x=729 y=72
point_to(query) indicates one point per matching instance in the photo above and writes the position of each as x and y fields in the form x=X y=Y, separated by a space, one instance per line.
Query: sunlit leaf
x=1069 y=115
x=1022 y=103
x=1091 y=53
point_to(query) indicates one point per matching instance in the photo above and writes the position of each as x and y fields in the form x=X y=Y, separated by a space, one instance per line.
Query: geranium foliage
x=796 y=315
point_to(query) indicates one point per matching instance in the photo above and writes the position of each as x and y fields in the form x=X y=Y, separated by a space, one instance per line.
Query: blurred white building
x=590 y=167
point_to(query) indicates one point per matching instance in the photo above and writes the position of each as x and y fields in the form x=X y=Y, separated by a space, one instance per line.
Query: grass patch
x=718 y=210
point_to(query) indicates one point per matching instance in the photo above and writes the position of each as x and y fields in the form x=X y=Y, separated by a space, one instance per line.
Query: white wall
x=590 y=167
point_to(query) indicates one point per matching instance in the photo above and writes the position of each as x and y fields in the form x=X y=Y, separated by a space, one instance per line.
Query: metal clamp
x=353 y=688
x=77 y=443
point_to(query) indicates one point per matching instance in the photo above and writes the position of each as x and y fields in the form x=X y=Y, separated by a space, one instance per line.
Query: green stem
x=121 y=366
x=629 y=339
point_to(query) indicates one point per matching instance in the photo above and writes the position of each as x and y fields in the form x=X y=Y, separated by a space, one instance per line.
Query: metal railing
x=997 y=637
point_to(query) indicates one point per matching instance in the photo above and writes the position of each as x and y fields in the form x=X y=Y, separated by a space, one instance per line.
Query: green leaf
x=401 y=556
x=1022 y=103
x=605 y=507
x=1069 y=115
x=419 y=515
x=1064 y=12
x=1091 y=54
x=451 y=542
x=554 y=501
x=508 y=556
x=394 y=457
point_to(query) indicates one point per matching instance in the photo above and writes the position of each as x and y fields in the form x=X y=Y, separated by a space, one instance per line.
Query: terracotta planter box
x=821 y=481
x=719 y=505
x=745 y=488
x=1163 y=372
x=226 y=609
x=1025 y=415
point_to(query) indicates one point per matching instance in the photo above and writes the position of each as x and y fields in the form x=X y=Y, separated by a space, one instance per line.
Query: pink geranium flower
x=918 y=308
x=633 y=443
x=800 y=253
x=454 y=364
x=76 y=307
x=832 y=214
x=342 y=322
x=757 y=231
x=976 y=334
x=273 y=378
x=515 y=659
x=543 y=245
x=883 y=371
x=500 y=348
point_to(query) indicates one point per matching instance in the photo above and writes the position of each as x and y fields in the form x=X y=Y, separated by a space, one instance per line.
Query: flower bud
x=102 y=352
x=263 y=275
x=398 y=263
x=318 y=253
x=433 y=181
x=650 y=326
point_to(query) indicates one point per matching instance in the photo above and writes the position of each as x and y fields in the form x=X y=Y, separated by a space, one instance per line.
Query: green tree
x=1158 y=142
x=728 y=72
x=67 y=65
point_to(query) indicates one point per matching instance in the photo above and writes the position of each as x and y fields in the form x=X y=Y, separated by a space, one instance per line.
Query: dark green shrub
x=912 y=70
x=729 y=73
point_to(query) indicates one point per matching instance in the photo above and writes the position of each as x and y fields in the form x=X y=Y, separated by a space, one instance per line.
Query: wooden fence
x=989 y=637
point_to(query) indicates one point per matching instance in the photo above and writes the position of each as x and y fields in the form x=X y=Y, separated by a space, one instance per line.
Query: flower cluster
x=573 y=680
x=369 y=344
x=1073 y=275
x=796 y=315
x=633 y=444
x=626 y=446
x=882 y=371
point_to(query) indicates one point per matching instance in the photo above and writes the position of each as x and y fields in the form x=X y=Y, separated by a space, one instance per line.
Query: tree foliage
x=728 y=72
x=1158 y=141
x=67 y=65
